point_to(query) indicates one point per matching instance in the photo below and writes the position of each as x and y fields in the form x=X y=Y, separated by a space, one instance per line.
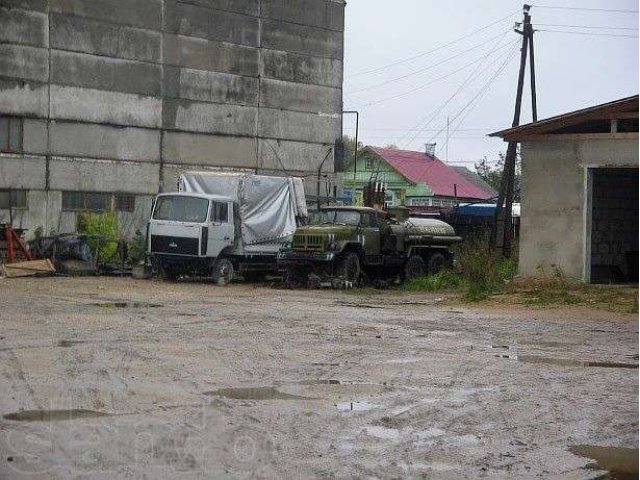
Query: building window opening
x=13 y=199
x=11 y=132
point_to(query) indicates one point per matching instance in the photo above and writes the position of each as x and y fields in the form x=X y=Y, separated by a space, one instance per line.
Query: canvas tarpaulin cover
x=267 y=206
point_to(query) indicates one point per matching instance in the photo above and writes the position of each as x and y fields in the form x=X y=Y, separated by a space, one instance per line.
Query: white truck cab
x=219 y=223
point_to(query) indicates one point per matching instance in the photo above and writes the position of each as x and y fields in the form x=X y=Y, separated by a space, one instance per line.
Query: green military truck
x=352 y=244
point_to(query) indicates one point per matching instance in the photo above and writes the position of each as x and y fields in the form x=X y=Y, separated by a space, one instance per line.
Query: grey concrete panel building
x=104 y=102
x=579 y=193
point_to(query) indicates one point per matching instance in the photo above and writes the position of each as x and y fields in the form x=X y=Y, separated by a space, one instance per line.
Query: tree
x=391 y=146
x=493 y=174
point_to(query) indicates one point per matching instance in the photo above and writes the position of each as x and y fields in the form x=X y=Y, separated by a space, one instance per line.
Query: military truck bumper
x=290 y=259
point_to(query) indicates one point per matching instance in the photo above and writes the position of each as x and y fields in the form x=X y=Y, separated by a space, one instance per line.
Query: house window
x=93 y=202
x=11 y=129
x=369 y=163
x=124 y=202
x=13 y=199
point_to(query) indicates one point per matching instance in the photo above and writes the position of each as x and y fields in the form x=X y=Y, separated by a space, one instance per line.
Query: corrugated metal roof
x=605 y=110
x=418 y=167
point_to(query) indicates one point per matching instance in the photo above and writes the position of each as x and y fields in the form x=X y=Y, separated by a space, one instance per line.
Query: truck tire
x=169 y=273
x=414 y=268
x=223 y=272
x=348 y=268
x=437 y=262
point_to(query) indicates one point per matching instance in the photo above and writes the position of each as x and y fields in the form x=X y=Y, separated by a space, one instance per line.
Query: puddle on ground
x=52 y=415
x=255 y=393
x=622 y=463
x=566 y=362
x=355 y=406
x=126 y=305
x=70 y=343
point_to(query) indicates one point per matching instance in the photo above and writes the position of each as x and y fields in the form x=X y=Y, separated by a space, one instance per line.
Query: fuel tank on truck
x=417 y=228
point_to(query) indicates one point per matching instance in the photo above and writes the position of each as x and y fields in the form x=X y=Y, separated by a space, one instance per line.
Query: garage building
x=579 y=197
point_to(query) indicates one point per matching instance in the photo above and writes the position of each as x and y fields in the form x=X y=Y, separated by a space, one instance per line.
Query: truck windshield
x=181 y=209
x=342 y=217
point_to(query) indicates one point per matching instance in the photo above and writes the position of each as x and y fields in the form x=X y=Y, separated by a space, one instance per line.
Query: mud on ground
x=118 y=378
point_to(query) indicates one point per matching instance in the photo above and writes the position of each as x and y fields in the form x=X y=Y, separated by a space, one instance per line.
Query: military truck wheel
x=414 y=268
x=223 y=272
x=437 y=262
x=348 y=268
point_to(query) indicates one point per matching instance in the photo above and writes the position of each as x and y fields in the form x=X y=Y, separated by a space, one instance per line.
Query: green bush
x=443 y=280
x=137 y=248
x=102 y=232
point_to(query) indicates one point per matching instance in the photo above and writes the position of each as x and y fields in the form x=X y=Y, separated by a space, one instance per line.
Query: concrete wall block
x=20 y=61
x=194 y=21
x=100 y=106
x=22 y=172
x=210 y=86
x=23 y=98
x=294 y=156
x=145 y=14
x=104 y=73
x=209 y=117
x=616 y=153
x=248 y=7
x=302 y=39
x=34 y=136
x=300 y=97
x=24 y=27
x=103 y=176
x=102 y=141
x=302 y=69
x=201 y=54
x=91 y=36
x=307 y=127
x=198 y=149
x=34 y=5
x=323 y=14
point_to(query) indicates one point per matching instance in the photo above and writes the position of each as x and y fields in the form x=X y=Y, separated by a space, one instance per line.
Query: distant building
x=104 y=102
x=418 y=180
x=579 y=193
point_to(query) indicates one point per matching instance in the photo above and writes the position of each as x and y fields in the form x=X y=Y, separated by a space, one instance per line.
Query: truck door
x=221 y=230
x=371 y=233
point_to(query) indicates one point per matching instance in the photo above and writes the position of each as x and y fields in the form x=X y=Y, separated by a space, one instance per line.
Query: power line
x=588 y=33
x=586 y=26
x=424 y=85
x=422 y=54
x=584 y=9
x=480 y=93
x=428 y=67
x=467 y=81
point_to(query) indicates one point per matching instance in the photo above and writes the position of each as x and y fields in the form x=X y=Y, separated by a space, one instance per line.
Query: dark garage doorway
x=614 y=225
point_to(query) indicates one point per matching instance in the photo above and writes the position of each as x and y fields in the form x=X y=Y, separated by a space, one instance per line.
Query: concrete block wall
x=121 y=95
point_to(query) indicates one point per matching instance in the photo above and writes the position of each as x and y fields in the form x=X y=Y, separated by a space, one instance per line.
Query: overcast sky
x=473 y=81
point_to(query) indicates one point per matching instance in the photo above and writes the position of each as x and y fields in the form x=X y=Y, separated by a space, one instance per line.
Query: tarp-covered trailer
x=219 y=223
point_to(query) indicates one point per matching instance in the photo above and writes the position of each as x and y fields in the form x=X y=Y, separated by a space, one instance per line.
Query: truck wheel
x=223 y=272
x=414 y=268
x=168 y=273
x=349 y=268
x=437 y=262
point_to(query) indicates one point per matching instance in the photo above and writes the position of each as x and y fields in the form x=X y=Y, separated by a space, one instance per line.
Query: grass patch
x=444 y=280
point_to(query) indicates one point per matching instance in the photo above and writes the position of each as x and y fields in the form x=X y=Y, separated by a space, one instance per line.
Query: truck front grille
x=174 y=245
x=308 y=243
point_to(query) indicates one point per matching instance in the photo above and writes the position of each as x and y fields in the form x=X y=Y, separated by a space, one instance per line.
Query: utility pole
x=355 y=154
x=502 y=231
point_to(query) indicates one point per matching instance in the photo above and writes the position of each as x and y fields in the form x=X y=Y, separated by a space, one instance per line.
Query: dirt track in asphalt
x=110 y=377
